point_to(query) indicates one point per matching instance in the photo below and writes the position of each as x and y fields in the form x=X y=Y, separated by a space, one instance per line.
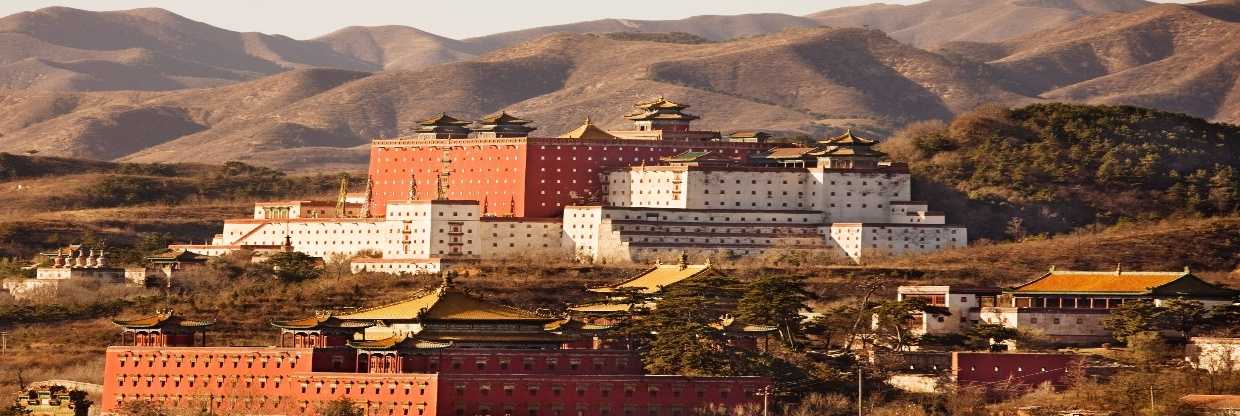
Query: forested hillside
x=1056 y=167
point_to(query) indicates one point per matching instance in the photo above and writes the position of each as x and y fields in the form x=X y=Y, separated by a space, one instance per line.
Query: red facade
x=993 y=371
x=463 y=382
x=523 y=177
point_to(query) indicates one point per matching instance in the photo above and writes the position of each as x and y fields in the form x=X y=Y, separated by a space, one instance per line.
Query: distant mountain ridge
x=153 y=49
x=803 y=80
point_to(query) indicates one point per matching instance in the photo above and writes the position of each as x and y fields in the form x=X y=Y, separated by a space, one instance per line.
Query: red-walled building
x=442 y=353
x=516 y=174
x=996 y=371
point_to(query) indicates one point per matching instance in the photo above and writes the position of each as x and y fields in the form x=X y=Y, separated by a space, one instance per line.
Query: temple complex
x=457 y=191
x=1066 y=306
x=443 y=352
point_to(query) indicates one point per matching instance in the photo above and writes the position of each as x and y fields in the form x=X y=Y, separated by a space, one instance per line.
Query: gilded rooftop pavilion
x=445 y=351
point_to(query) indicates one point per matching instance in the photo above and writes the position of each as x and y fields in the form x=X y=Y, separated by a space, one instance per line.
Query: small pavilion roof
x=588 y=131
x=445 y=304
x=161 y=319
x=442 y=119
x=660 y=109
x=654 y=279
x=320 y=321
x=735 y=325
x=849 y=139
x=504 y=118
x=178 y=255
x=398 y=341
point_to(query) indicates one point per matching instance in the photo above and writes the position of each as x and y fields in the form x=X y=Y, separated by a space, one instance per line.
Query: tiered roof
x=1119 y=282
x=729 y=324
x=164 y=319
x=588 y=131
x=443 y=123
x=660 y=109
x=503 y=122
x=848 y=144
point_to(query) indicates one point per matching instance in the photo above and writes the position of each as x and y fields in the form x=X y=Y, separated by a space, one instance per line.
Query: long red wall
x=295 y=381
x=541 y=175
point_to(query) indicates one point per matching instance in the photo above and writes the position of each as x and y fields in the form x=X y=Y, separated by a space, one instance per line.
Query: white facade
x=413 y=237
x=843 y=195
x=962 y=307
x=849 y=214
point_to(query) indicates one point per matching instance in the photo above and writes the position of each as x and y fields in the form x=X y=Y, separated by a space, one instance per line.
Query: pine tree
x=776 y=301
x=684 y=342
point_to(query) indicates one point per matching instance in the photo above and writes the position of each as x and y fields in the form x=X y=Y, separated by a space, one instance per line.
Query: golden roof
x=607 y=307
x=848 y=139
x=319 y=321
x=658 y=277
x=660 y=102
x=446 y=304
x=161 y=319
x=588 y=131
x=1116 y=282
x=398 y=340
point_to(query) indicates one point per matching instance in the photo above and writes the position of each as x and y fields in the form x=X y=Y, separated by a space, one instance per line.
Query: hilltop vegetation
x=50 y=201
x=1051 y=168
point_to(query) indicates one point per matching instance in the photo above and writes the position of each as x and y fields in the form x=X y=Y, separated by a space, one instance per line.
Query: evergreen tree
x=1225 y=189
x=1183 y=316
x=684 y=342
x=983 y=334
x=775 y=301
x=294 y=266
x=1131 y=318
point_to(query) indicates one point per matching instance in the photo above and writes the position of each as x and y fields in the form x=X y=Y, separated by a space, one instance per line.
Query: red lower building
x=515 y=174
x=1008 y=372
x=441 y=353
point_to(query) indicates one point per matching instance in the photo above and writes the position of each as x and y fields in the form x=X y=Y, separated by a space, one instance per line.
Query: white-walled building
x=839 y=199
x=956 y=308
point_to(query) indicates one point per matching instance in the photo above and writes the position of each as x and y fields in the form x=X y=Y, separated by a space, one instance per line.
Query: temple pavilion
x=846 y=151
x=661 y=114
x=445 y=316
x=163 y=329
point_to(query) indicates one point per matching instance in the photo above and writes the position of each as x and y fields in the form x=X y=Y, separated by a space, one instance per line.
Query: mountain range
x=148 y=85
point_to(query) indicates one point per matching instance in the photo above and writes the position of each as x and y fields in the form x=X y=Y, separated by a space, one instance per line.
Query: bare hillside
x=935 y=22
x=64 y=49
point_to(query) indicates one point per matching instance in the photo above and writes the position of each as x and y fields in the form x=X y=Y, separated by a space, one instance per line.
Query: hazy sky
x=453 y=18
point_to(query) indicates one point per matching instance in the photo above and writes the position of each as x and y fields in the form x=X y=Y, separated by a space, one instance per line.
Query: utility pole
x=860 y=404
x=4 y=344
x=1151 y=396
x=766 y=396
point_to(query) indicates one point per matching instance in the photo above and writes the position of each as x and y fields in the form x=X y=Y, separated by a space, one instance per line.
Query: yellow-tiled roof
x=588 y=131
x=1100 y=281
x=607 y=307
x=445 y=304
x=658 y=277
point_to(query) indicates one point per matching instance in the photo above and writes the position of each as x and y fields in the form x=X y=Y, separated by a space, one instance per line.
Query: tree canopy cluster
x=1063 y=166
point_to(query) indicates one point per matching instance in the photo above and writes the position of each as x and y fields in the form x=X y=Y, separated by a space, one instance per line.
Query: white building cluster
x=840 y=199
